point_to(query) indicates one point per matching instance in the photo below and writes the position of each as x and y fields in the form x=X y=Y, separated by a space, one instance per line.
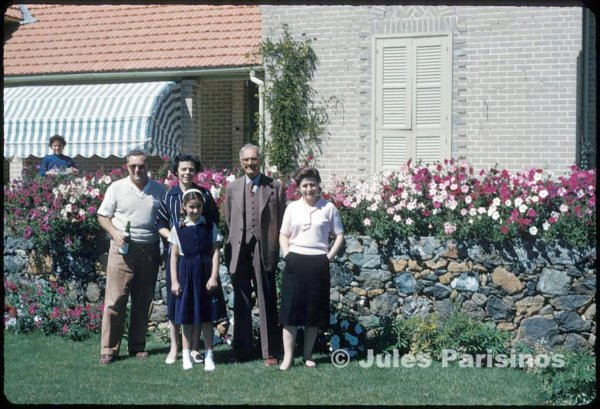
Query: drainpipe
x=261 y=105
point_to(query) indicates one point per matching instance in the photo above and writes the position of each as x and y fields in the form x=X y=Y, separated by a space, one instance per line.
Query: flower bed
x=452 y=200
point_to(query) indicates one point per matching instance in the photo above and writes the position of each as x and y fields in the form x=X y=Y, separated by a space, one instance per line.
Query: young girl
x=194 y=272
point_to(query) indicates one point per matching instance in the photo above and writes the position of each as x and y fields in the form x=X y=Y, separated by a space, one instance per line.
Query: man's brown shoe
x=140 y=354
x=106 y=359
x=271 y=361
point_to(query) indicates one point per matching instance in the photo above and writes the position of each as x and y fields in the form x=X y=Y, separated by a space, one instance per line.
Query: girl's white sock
x=187 y=359
x=209 y=363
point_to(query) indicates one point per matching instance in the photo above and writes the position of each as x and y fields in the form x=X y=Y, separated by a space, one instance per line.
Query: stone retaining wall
x=539 y=292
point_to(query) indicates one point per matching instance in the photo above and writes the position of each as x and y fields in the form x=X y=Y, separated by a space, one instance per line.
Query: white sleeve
x=108 y=205
x=336 y=221
x=286 y=224
x=174 y=238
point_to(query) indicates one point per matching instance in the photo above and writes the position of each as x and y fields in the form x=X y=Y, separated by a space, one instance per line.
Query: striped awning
x=95 y=119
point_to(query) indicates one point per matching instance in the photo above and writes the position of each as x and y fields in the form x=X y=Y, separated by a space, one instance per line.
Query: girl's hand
x=212 y=284
x=175 y=288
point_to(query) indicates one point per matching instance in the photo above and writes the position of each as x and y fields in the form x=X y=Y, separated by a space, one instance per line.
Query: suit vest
x=251 y=219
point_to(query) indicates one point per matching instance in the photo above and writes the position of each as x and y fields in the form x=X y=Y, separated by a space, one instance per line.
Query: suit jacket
x=271 y=204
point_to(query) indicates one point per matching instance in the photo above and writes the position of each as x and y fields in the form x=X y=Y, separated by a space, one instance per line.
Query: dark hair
x=57 y=138
x=306 y=173
x=186 y=198
x=186 y=157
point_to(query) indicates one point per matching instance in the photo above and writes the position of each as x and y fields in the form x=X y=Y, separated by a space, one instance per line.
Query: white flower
x=468 y=199
x=507 y=203
x=470 y=221
x=463 y=211
x=37 y=319
x=390 y=210
x=397 y=218
x=533 y=230
x=12 y=322
x=409 y=221
x=464 y=188
x=451 y=204
x=562 y=191
x=546 y=226
x=472 y=211
x=491 y=210
x=495 y=215
x=496 y=201
x=523 y=208
x=81 y=212
x=563 y=208
x=68 y=208
x=518 y=202
x=537 y=176
x=453 y=186
x=230 y=178
x=481 y=210
x=273 y=169
x=367 y=222
x=106 y=179
x=535 y=199
x=543 y=193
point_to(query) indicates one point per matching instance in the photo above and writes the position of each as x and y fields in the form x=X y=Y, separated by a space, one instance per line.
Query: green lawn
x=52 y=370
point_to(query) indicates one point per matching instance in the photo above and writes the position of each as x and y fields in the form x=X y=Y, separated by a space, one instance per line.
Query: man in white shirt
x=134 y=199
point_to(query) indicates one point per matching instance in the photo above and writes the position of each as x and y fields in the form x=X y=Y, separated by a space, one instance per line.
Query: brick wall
x=218 y=122
x=513 y=80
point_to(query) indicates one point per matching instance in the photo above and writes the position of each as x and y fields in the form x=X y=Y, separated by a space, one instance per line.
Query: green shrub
x=459 y=332
x=572 y=384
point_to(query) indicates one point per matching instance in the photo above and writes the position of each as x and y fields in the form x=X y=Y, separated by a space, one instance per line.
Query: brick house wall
x=513 y=78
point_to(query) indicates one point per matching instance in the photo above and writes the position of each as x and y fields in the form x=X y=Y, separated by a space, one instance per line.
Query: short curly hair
x=57 y=138
x=186 y=157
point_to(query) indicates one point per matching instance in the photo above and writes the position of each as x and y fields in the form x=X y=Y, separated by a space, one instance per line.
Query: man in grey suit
x=253 y=208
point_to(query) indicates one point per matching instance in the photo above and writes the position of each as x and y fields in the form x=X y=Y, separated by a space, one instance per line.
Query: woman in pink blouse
x=304 y=240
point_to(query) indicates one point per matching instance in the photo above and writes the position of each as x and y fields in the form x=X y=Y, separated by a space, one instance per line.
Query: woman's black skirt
x=305 y=291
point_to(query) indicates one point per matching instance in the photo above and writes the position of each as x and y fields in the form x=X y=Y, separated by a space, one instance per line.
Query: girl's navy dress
x=196 y=305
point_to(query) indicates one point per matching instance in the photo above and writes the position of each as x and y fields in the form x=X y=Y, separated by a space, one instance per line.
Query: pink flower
x=32 y=309
x=91 y=210
x=28 y=232
x=65 y=329
x=449 y=228
x=55 y=312
x=60 y=290
x=504 y=230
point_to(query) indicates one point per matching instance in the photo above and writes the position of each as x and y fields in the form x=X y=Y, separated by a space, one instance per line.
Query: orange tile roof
x=13 y=12
x=104 y=38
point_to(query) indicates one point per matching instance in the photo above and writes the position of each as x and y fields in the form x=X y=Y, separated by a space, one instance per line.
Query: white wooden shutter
x=413 y=100
x=431 y=95
x=394 y=101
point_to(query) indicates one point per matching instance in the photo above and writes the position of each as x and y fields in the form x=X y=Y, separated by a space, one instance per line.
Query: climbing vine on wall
x=298 y=123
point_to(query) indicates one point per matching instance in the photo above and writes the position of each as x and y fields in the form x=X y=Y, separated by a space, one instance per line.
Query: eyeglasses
x=133 y=167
